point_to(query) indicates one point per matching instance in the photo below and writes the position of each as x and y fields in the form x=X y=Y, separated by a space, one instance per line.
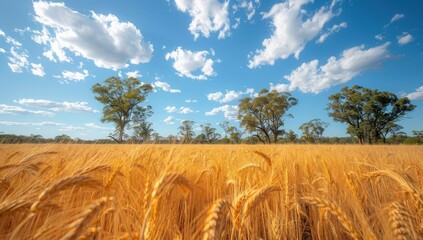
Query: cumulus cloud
x=228 y=96
x=291 y=32
x=165 y=87
x=417 y=95
x=170 y=109
x=191 y=101
x=208 y=16
x=186 y=63
x=57 y=106
x=104 y=39
x=404 y=38
x=8 y=123
x=334 y=29
x=18 y=61
x=134 y=74
x=185 y=110
x=169 y=120
x=37 y=70
x=230 y=112
x=2 y=50
x=74 y=76
x=16 y=110
x=312 y=78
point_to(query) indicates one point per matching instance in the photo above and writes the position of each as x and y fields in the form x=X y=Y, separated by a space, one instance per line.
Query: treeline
x=371 y=117
x=288 y=138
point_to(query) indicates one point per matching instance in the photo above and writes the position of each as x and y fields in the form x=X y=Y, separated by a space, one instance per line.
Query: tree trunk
x=121 y=132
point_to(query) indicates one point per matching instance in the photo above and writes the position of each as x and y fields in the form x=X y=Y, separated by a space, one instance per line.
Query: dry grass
x=211 y=192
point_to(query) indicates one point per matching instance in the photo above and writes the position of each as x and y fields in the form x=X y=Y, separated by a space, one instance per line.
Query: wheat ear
x=336 y=211
x=78 y=225
x=62 y=185
x=215 y=216
x=265 y=157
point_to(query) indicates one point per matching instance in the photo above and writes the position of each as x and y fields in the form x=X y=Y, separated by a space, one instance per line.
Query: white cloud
x=379 y=37
x=30 y=123
x=417 y=95
x=170 y=109
x=404 y=38
x=95 y=126
x=103 y=39
x=10 y=40
x=70 y=128
x=207 y=16
x=397 y=17
x=230 y=112
x=312 y=78
x=57 y=106
x=248 y=6
x=18 y=61
x=2 y=50
x=169 y=120
x=165 y=87
x=291 y=32
x=187 y=62
x=16 y=110
x=74 y=76
x=37 y=69
x=191 y=101
x=229 y=96
x=334 y=29
x=185 y=110
x=217 y=96
x=134 y=74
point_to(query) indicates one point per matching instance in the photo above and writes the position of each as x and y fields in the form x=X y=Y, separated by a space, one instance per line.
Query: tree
x=143 y=131
x=419 y=135
x=367 y=112
x=264 y=114
x=235 y=135
x=313 y=130
x=209 y=133
x=121 y=100
x=186 y=131
x=62 y=138
x=391 y=128
x=225 y=126
x=291 y=136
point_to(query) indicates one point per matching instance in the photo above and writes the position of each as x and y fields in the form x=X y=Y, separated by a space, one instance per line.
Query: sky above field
x=201 y=56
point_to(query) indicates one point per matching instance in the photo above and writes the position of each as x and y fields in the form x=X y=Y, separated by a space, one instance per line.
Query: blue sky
x=201 y=56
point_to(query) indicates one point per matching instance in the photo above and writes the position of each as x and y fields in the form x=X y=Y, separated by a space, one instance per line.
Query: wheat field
x=210 y=192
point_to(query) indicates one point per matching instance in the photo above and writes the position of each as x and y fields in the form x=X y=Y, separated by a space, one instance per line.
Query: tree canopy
x=313 y=130
x=367 y=112
x=186 y=131
x=121 y=100
x=264 y=114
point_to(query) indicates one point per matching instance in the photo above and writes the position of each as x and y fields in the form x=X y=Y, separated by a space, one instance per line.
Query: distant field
x=211 y=192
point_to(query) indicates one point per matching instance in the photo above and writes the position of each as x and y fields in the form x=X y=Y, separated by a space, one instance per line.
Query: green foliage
x=121 y=100
x=313 y=130
x=291 y=136
x=264 y=115
x=186 y=131
x=367 y=112
x=209 y=134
